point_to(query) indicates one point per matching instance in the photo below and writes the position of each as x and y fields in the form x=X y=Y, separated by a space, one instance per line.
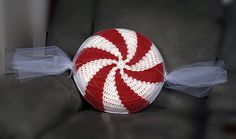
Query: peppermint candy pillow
x=119 y=71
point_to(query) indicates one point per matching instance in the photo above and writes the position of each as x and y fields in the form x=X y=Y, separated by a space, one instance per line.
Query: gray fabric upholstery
x=27 y=108
x=223 y=98
x=180 y=102
x=71 y=24
x=221 y=126
x=221 y=105
x=152 y=123
x=228 y=50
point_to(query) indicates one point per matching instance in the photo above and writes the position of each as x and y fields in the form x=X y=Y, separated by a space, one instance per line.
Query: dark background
x=185 y=31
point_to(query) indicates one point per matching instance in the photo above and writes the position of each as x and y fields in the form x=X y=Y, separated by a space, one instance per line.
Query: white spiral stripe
x=110 y=93
x=89 y=69
x=130 y=38
x=102 y=43
x=140 y=87
x=151 y=59
x=156 y=90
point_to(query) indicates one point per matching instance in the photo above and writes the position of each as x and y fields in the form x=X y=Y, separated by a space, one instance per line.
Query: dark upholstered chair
x=186 y=31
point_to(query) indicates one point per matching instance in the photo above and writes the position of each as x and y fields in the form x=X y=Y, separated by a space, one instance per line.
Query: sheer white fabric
x=39 y=61
x=197 y=79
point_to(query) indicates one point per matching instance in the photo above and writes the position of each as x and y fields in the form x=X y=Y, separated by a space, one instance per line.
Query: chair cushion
x=30 y=107
x=71 y=23
x=152 y=123
x=223 y=97
x=178 y=102
x=221 y=126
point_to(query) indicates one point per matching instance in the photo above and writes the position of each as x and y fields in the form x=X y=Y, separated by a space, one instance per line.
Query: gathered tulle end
x=36 y=62
x=197 y=79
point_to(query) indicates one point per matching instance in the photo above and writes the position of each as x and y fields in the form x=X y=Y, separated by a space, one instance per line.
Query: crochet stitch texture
x=119 y=71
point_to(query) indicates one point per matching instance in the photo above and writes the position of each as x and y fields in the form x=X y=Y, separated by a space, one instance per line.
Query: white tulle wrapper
x=39 y=61
x=196 y=79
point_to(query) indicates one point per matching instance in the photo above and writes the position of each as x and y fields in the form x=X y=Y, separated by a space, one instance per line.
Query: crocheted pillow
x=119 y=71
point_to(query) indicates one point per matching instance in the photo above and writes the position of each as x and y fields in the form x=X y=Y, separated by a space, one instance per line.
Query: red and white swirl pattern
x=119 y=71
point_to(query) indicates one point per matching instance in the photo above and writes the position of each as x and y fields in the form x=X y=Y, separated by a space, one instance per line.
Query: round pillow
x=119 y=71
